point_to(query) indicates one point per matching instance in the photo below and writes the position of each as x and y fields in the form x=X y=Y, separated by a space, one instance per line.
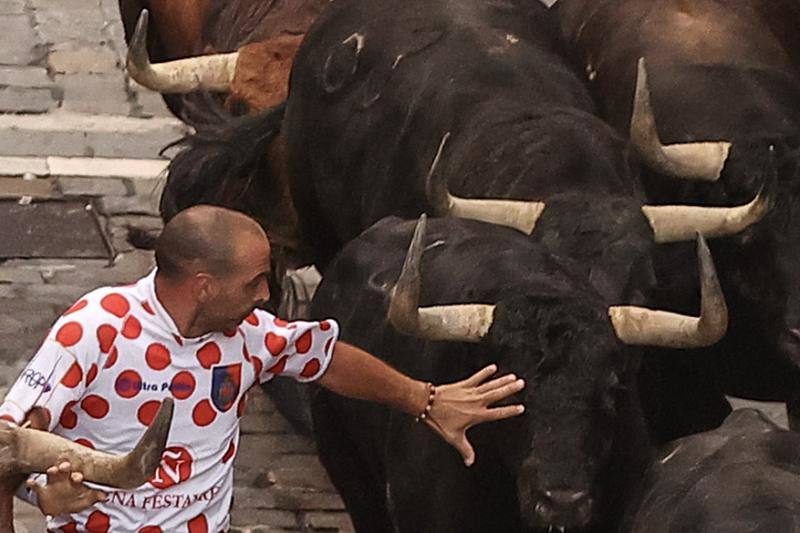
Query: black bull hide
x=740 y=478
x=571 y=457
x=718 y=70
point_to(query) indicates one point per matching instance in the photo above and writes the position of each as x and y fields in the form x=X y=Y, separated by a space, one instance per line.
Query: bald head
x=204 y=238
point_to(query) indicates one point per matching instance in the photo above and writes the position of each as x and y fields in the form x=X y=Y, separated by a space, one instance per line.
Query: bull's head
x=24 y=451
x=582 y=408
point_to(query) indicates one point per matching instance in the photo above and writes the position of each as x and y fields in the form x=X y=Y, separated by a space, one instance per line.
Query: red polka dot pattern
x=245 y=352
x=158 y=356
x=91 y=375
x=150 y=529
x=257 y=365
x=229 y=332
x=252 y=319
x=275 y=343
x=281 y=323
x=80 y=304
x=311 y=368
x=69 y=334
x=116 y=304
x=98 y=522
x=198 y=524
x=128 y=384
x=106 y=335
x=8 y=418
x=147 y=412
x=182 y=385
x=303 y=343
x=72 y=527
x=229 y=453
x=68 y=418
x=179 y=340
x=147 y=308
x=203 y=413
x=73 y=376
x=84 y=442
x=278 y=367
x=132 y=328
x=112 y=358
x=209 y=355
x=95 y=406
x=324 y=325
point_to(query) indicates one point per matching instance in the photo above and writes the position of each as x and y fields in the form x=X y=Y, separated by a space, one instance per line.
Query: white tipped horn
x=675 y=223
x=210 y=72
x=701 y=161
x=457 y=323
x=648 y=327
x=518 y=214
x=36 y=451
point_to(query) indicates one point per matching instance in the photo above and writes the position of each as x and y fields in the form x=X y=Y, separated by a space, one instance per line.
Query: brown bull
x=241 y=48
x=24 y=451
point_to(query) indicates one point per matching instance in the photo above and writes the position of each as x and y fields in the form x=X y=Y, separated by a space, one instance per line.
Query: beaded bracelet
x=427 y=411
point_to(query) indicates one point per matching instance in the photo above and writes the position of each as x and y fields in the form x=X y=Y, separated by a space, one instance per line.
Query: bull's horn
x=210 y=72
x=674 y=223
x=36 y=451
x=464 y=322
x=519 y=214
x=647 y=327
x=702 y=161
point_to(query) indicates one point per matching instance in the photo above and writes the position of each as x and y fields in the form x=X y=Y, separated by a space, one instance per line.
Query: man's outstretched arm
x=457 y=407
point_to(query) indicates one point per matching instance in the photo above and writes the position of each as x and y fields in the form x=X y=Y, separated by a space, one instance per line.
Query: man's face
x=235 y=294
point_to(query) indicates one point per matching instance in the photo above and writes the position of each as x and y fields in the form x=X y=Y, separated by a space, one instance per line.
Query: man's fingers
x=465 y=449
x=480 y=376
x=495 y=383
x=503 y=392
x=65 y=466
x=500 y=413
x=76 y=478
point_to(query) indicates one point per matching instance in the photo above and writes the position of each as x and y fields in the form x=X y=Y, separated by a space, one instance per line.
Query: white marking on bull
x=513 y=39
x=438 y=154
x=591 y=72
x=434 y=244
x=671 y=454
x=397 y=61
x=358 y=38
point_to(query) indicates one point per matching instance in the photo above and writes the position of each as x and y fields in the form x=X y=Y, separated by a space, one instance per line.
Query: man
x=191 y=330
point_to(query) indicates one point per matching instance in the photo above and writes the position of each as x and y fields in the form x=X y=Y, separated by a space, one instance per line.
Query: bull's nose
x=565 y=508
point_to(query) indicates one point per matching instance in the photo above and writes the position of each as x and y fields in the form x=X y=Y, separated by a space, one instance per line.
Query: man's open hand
x=65 y=491
x=461 y=405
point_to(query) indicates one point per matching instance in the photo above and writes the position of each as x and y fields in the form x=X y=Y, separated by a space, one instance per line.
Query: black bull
x=569 y=461
x=721 y=70
x=739 y=478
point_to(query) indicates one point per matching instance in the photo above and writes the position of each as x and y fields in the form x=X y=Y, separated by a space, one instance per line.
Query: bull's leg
x=348 y=469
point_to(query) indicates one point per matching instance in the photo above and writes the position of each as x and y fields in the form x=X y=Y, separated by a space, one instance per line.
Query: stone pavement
x=72 y=125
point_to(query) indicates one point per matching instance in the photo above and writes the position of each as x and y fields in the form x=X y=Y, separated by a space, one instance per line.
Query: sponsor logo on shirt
x=132 y=383
x=225 y=384
x=35 y=379
x=176 y=467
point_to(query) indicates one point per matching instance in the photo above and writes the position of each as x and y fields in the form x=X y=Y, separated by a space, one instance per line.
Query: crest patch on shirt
x=225 y=384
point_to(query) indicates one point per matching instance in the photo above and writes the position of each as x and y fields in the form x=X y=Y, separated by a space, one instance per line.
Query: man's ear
x=204 y=287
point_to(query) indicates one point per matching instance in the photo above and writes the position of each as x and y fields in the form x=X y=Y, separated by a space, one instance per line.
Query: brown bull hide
x=179 y=25
x=261 y=80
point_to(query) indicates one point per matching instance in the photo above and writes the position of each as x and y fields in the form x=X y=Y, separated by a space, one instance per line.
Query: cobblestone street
x=73 y=126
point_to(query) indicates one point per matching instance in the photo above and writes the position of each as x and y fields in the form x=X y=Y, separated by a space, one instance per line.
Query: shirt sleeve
x=57 y=376
x=300 y=350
